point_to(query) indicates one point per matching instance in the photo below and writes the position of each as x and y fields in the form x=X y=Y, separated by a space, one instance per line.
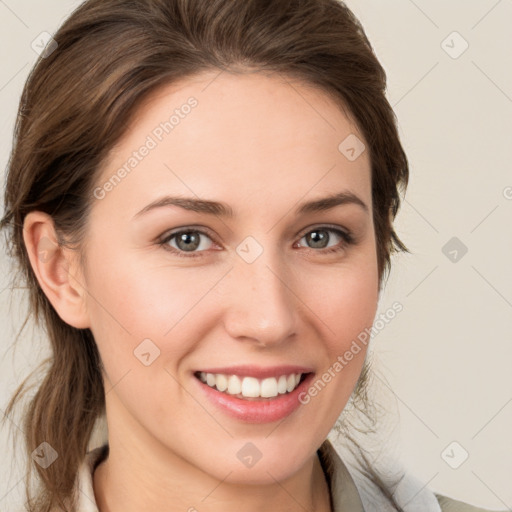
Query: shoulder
x=451 y=505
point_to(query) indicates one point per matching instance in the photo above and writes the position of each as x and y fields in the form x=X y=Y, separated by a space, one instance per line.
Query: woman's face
x=252 y=297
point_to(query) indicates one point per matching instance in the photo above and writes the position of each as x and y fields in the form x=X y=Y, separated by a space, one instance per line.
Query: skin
x=262 y=145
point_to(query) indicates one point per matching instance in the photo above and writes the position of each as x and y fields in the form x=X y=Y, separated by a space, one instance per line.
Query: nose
x=260 y=302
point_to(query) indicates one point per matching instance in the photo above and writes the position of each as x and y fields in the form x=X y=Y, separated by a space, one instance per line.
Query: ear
x=56 y=269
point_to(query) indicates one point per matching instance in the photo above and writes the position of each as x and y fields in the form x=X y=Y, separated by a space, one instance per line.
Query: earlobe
x=56 y=269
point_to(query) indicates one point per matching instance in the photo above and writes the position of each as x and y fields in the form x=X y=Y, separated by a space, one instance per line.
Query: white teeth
x=269 y=388
x=210 y=379
x=290 y=382
x=251 y=387
x=281 y=384
x=234 y=385
x=221 y=382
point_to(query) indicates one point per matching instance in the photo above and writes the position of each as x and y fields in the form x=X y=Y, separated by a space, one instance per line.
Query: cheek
x=345 y=301
x=140 y=317
x=347 y=310
x=136 y=298
x=345 y=304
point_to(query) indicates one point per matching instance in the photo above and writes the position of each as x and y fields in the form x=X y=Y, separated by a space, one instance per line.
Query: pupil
x=187 y=238
x=318 y=237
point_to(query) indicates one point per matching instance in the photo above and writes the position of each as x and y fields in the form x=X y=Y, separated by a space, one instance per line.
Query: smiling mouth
x=251 y=388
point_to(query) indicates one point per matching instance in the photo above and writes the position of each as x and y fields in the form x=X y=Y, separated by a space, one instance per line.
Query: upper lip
x=259 y=372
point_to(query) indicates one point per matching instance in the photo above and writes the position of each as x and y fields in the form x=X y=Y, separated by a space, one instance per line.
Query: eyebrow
x=223 y=210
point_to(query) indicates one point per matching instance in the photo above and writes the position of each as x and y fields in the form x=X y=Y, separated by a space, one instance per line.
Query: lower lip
x=257 y=411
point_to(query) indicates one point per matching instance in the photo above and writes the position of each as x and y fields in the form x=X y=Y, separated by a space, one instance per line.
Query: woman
x=201 y=197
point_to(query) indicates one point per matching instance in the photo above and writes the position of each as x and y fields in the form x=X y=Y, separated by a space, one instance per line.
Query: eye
x=187 y=241
x=319 y=239
x=190 y=243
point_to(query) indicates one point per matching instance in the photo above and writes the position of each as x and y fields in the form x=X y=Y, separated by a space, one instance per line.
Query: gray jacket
x=345 y=496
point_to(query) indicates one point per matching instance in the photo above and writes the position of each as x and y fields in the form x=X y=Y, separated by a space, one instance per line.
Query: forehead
x=236 y=137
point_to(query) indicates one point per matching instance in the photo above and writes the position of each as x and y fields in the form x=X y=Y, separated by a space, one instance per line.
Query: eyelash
x=347 y=239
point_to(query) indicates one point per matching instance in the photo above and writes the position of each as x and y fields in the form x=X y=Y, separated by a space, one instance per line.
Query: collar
x=343 y=491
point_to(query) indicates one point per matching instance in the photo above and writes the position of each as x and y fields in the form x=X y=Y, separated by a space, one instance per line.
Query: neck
x=130 y=480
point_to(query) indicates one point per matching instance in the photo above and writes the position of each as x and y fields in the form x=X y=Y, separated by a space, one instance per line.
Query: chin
x=261 y=462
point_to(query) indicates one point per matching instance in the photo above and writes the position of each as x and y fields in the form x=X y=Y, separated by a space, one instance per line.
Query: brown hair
x=77 y=103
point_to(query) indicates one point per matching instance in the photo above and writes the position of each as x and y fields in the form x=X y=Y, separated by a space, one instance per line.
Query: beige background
x=447 y=355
